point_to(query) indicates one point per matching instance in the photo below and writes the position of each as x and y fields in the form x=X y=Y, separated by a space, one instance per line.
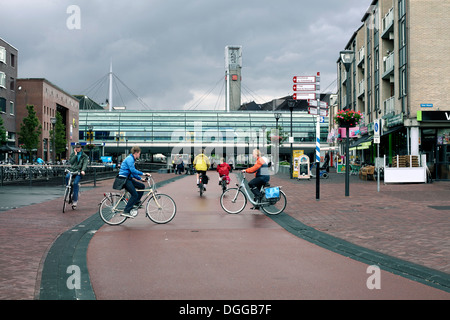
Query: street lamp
x=347 y=57
x=291 y=104
x=53 y=121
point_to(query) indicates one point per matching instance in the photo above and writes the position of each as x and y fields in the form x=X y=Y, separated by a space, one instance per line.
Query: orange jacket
x=260 y=168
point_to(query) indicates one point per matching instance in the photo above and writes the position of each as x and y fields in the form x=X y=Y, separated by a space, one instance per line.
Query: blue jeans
x=76 y=186
x=131 y=186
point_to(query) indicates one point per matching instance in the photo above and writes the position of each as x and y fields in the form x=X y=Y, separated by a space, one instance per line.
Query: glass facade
x=165 y=128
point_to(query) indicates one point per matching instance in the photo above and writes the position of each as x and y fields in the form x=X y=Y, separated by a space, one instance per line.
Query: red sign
x=304 y=87
x=304 y=96
x=304 y=79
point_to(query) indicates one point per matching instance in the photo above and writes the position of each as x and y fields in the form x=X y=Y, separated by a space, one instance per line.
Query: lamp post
x=53 y=121
x=347 y=57
x=291 y=104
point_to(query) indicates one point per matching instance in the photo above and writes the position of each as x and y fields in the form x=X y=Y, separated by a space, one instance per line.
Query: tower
x=233 y=66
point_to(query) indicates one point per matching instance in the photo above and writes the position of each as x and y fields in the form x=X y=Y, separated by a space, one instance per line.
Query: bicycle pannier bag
x=119 y=183
x=273 y=193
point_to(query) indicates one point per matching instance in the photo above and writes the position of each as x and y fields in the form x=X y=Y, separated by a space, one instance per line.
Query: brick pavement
x=406 y=221
x=27 y=233
x=398 y=221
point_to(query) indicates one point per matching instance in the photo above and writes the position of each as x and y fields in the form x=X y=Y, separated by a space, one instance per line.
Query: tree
x=30 y=130
x=60 y=135
x=3 y=137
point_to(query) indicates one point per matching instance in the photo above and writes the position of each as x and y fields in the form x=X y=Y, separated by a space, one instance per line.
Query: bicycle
x=223 y=183
x=234 y=200
x=160 y=207
x=323 y=174
x=201 y=185
x=68 y=193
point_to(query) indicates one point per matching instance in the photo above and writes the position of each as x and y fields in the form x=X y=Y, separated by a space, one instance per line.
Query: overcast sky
x=170 y=53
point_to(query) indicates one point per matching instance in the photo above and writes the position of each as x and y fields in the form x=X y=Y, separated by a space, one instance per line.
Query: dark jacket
x=78 y=165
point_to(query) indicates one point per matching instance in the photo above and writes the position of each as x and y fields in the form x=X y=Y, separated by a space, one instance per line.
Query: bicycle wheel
x=277 y=207
x=66 y=198
x=161 y=208
x=233 y=200
x=111 y=209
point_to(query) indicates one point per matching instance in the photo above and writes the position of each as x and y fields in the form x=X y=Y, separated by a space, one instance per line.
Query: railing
x=389 y=105
x=361 y=54
x=388 y=19
x=361 y=88
x=48 y=174
x=388 y=62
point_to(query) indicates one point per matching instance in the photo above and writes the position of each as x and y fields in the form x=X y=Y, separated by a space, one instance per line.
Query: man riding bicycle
x=128 y=170
x=201 y=164
x=78 y=163
x=261 y=170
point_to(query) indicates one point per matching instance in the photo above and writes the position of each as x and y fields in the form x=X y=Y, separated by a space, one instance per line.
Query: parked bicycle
x=234 y=200
x=68 y=193
x=323 y=174
x=160 y=208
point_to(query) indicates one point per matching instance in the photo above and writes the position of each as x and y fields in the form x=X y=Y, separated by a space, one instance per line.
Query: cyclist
x=261 y=170
x=78 y=162
x=128 y=170
x=224 y=170
x=201 y=164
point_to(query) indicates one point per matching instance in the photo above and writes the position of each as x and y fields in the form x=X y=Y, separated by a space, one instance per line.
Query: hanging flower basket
x=347 y=118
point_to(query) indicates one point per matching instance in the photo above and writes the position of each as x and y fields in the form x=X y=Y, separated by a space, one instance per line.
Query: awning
x=364 y=139
x=7 y=148
x=392 y=130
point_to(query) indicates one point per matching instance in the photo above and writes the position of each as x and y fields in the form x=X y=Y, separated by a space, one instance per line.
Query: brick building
x=400 y=74
x=8 y=78
x=47 y=99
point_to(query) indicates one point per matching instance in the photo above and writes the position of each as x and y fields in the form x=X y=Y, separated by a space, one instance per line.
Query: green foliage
x=60 y=135
x=30 y=130
x=3 y=137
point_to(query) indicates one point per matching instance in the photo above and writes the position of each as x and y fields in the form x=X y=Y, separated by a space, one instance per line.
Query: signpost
x=376 y=139
x=307 y=88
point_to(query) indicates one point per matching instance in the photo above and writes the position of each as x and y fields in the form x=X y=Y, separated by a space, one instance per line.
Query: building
x=47 y=100
x=8 y=78
x=221 y=133
x=400 y=74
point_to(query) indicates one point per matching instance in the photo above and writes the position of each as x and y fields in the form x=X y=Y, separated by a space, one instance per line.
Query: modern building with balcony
x=8 y=78
x=400 y=74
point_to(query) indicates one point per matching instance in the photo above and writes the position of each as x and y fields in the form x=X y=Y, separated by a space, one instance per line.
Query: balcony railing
x=361 y=88
x=361 y=55
x=389 y=105
x=388 y=20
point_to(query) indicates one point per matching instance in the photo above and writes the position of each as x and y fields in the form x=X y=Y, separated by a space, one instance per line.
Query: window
x=2 y=80
x=13 y=60
x=3 y=55
x=11 y=108
x=12 y=84
x=2 y=105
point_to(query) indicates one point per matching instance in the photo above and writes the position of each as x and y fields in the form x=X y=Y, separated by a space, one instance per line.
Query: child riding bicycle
x=224 y=170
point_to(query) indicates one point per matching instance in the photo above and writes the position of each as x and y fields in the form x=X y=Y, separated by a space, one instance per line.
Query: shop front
x=435 y=142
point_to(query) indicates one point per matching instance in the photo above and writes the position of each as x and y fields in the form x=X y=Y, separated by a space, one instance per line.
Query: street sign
x=376 y=131
x=305 y=87
x=313 y=111
x=313 y=103
x=304 y=96
x=304 y=79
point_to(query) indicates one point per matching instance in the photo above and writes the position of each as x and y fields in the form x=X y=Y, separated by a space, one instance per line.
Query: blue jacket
x=127 y=168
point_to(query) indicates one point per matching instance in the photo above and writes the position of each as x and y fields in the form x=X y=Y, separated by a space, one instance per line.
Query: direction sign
x=304 y=79
x=304 y=87
x=313 y=111
x=313 y=103
x=304 y=96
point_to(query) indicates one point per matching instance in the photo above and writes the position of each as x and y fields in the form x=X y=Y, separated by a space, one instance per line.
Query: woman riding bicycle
x=261 y=170
x=201 y=164
x=223 y=170
x=128 y=170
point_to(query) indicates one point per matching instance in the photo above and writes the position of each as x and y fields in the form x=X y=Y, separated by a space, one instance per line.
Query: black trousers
x=256 y=184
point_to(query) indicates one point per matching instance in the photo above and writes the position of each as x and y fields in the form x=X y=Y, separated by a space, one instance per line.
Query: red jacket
x=223 y=169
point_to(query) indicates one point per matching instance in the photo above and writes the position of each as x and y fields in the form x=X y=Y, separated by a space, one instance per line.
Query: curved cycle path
x=205 y=253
